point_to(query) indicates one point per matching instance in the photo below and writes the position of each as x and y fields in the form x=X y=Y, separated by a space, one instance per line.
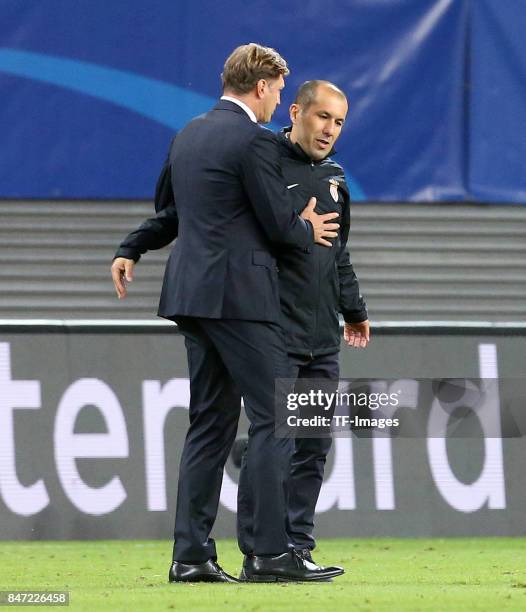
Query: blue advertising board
x=92 y=92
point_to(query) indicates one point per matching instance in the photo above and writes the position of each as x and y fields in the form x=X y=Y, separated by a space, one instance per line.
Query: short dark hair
x=306 y=93
x=247 y=64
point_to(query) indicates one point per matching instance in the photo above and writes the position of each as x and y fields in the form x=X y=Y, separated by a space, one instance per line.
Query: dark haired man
x=232 y=209
x=314 y=288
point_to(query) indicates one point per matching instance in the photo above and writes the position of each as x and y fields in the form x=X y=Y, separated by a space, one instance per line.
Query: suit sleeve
x=264 y=183
x=352 y=305
x=158 y=231
x=153 y=234
x=164 y=196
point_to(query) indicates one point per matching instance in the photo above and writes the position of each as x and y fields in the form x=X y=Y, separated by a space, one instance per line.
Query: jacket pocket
x=263 y=258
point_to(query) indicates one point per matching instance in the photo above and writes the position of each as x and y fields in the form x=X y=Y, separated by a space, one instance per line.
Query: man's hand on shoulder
x=321 y=224
x=356 y=334
x=122 y=272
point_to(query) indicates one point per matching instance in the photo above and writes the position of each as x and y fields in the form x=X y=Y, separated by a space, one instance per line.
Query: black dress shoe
x=305 y=554
x=287 y=567
x=209 y=571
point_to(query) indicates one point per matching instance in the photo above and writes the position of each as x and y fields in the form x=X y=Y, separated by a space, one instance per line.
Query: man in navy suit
x=232 y=214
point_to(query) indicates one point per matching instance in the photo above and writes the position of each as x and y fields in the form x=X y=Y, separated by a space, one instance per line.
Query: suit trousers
x=226 y=359
x=306 y=465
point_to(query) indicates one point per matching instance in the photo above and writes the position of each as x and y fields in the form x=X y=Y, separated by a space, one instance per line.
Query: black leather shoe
x=202 y=572
x=305 y=554
x=287 y=567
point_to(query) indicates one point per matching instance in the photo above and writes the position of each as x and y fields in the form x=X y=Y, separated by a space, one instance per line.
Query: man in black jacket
x=314 y=288
x=232 y=210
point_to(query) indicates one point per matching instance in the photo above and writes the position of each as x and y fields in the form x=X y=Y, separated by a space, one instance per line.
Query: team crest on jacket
x=333 y=188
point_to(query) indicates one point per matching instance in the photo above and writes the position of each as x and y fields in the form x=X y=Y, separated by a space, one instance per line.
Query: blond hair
x=247 y=64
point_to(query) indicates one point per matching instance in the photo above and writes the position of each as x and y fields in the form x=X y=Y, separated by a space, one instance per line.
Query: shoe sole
x=263 y=578
x=202 y=579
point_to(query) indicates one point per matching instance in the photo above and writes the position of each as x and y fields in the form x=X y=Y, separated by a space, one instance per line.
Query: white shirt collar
x=246 y=108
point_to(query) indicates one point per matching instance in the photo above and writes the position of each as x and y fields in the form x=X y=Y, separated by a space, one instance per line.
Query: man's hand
x=356 y=334
x=122 y=272
x=321 y=223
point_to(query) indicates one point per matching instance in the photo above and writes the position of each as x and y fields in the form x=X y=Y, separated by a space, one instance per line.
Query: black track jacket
x=314 y=287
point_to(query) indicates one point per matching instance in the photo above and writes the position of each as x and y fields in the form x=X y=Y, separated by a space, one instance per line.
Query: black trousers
x=306 y=466
x=227 y=358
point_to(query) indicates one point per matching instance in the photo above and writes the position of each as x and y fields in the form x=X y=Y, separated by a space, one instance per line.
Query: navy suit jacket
x=232 y=210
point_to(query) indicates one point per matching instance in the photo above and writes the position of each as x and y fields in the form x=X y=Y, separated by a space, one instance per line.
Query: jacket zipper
x=318 y=267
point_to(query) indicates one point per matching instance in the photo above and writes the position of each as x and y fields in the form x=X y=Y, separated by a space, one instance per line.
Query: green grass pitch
x=381 y=574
